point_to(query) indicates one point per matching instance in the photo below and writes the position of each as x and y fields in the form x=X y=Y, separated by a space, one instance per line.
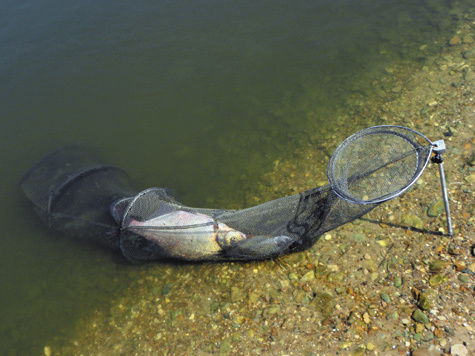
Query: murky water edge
x=359 y=291
x=78 y=277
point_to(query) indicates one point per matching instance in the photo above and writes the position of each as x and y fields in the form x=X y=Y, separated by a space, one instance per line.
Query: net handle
x=439 y=149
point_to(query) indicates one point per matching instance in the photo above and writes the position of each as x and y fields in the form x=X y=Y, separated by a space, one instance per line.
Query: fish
x=188 y=235
x=260 y=247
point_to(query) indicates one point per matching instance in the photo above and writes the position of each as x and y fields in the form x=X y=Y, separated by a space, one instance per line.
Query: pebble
x=344 y=345
x=214 y=306
x=392 y=316
x=471 y=159
x=458 y=350
x=455 y=41
x=323 y=303
x=396 y=89
x=436 y=208
x=437 y=266
x=237 y=294
x=384 y=242
x=253 y=297
x=370 y=265
x=420 y=316
x=412 y=221
x=397 y=282
x=307 y=277
x=273 y=309
x=468 y=39
x=469 y=75
x=419 y=328
x=225 y=347
x=300 y=296
x=420 y=352
x=470 y=54
x=336 y=276
x=47 y=351
x=455 y=151
x=463 y=278
x=427 y=299
x=366 y=318
x=359 y=237
x=453 y=249
x=359 y=351
x=352 y=318
x=166 y=289
x=293 y=276
x=437 y=280
x=470 y=178
x=385 y=298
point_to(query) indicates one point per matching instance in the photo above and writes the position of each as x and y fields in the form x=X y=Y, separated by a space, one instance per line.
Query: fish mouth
x=228 y=238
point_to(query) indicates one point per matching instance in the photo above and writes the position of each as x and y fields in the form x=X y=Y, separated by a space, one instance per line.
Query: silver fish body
x=188 y=236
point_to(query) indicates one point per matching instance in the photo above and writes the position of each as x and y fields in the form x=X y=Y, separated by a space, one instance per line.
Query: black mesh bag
x=76 y=195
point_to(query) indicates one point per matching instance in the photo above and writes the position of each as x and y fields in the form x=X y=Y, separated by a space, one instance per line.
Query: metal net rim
x=155 y=191
x=372 y=131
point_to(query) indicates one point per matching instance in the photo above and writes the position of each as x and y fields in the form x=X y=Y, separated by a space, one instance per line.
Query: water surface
x=201 y=97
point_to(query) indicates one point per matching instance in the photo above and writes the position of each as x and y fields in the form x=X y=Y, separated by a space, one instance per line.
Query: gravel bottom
x=391 y=283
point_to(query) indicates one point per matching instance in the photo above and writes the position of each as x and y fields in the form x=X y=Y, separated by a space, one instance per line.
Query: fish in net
x=75 y=194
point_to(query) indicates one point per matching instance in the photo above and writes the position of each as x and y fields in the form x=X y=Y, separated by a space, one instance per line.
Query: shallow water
x=198 y=97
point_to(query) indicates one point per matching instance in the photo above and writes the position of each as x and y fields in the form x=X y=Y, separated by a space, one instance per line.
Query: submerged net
x=76 y=195
x=72 y=191
x=288 y=224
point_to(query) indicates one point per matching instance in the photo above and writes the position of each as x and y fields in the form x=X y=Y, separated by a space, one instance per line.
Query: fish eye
x=233 y=238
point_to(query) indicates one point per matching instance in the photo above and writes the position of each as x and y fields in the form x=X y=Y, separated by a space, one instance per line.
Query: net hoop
x=339 y=184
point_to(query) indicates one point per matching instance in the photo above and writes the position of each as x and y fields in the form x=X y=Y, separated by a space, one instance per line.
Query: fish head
x=229 y=238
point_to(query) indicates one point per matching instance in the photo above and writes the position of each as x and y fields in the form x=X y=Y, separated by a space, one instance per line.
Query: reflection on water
x=199 y=97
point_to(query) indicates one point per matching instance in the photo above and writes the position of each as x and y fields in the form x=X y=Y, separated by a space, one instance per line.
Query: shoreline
x=388 y=284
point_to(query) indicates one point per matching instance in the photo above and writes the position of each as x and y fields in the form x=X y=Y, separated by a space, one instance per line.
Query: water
x=200 y=97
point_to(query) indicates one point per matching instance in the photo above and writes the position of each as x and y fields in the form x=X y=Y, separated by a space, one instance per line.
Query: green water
x=200 y=97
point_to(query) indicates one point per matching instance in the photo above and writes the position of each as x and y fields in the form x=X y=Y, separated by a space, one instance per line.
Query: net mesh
x=289 y=224
x=77 y=195
x=71 y=191
x=378 y=163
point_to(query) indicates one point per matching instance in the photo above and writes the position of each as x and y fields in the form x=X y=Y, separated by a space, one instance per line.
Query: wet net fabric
x=71 y=191
x=298 y=219
x=76 y=194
